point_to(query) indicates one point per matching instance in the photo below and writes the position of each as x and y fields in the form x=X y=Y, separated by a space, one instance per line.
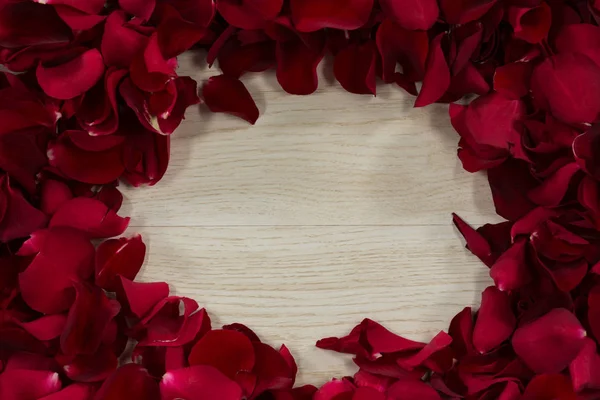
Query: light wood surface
x=334 y=207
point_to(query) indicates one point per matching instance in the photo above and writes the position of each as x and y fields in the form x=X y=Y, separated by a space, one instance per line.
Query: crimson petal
x=73 y=78
x=313 y=15
x=130 y=381
x=225 y=94
x=550 y=343
x=412 y=389
x=18 y=218
x=20 y=384
x=61 y=256
x=141 y=297
x=549 y=387
x=412 y=14
x=437 y=74
x=354 y=68
x=199 y=382
x=116 y=257
x=495 y=320
x=140 y=8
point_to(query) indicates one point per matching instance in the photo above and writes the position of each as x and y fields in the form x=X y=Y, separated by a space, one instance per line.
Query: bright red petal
x=119 y=257
x=199 y=382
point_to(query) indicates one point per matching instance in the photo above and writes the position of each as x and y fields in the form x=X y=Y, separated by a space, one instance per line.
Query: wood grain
x=334 y=207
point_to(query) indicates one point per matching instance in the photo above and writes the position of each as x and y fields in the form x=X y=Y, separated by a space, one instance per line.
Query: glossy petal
x=312 y=15
x=495 y=320
x=199 y=382
x=118 y=257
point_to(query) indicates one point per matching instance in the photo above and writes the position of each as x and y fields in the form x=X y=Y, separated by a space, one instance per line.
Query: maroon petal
x=495 y=320
x=61 y=257
x=585 y=150
x=90 y=216
x=130 y=381
x=54 y=195
x=436 y=355
x=271 y=370
x=73 y=78
x=88 y=7
x=530 y=24
x=248 y=14
x=20 y=384
x=186 y=95
x=354 y=68
x=412 y=389
x=120 y=43
x=584 y=368
x=141 y=297
x=75 y=391
x=89 y=368
x=512 y=80
x=166 y=325
x=297 y=67
x=476 y=243
x=312 y=15
x=437 y=74
x=549 y=387
x=146 y=156
x=511 y=271
x=199 y=382
x=399 y=45
x=139 y=8
x=511 y=183
x=567 y=85
x=412 y=14
x=78 y=20
x=19 y=219
x=46 y=328
x=553 y=189
x=579 y=38
x=550 y=343
x=225 y=94
x=594 y=311
x=87 y=320
x=119 y=257
x=228 y=351
x=461 y=331
x=461 y=12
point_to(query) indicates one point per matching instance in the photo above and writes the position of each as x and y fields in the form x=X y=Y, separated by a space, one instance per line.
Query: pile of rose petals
x=91 y=99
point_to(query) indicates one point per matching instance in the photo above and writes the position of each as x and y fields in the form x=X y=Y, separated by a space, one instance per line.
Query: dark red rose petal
x=550 y=343
x=584 y=368
x=530 y=24
x=89 y=216
x=88 y=7
x=89 y=368
x=495 y=320
x=225 y=94
x=436 y=355
x=78 y=20
x=62 y=256
x=146 y=156
x=249 y=14
x=138 y=8
x=176 y=34
x=335 y=389
x=129 y=382
x=121 y=43
x=228 y=351
x=579 y=38
x=46 y=328
x=87 y=320
x=354 y=68
x=511 y=271
x=549 y=387
x=461 y=331
x=20 y=384
x=586 y=151
x=312 y=15
x=199 y=382
x=512 y=80
x=412 y=14
x=461 y=12
x=567 y=85
x=476 y=243
x=54 y=195
x=119 y=257
x=75 y=391
x=437 y=74
x=141 y=297
x=412 y=389
x=297 y=67
x=73 y=78
x=271 y=369
x=18 y=218
x=553 y=190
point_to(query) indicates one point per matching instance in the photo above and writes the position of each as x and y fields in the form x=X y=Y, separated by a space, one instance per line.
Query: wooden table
x=334 y=207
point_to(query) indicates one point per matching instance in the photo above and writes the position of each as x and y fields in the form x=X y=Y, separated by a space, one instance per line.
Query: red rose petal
x=594 y=311
x=511 y=271
x=461 y=331
x=334 y=390
x=75 y=391
x=228 y=351
x=146 y=156
x=550 y=343
x=121 y=43
x=225 y=94
x=312 y=15
x=412 y=389
x=461 y=12
x=18 y=218
x=584 y=368
x=89 y=6
x=130 y=381
x=175 y=34
x=412 y=14
x=87 y=320
x=437 y=74
x=61 y=256
x=78 y=20
x=354 y=68
x=512 y=80
x=46 y=328
x=579 y=38
x=495 y=320
x=139 y=8
x=398 y=45
x=271 y=369
x=476 y=243
x=199 y=382
x=585 y=150
x=553 y=189
x=20 y=384
x=141 y=297
x=248 y=14
x=73 y=78
x=166 y=325
x=530 y=24
x=119 y=257
x=436 y=355
x=54 y=195
x=566 y=85
x=297 y=67
x=89 y=368
x=549 y=387
x=90 y=216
